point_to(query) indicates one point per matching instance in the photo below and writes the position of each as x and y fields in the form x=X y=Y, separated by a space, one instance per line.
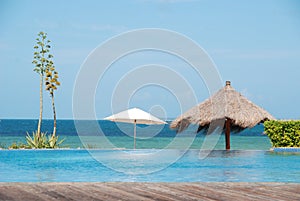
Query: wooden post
x=227 y=133
x=134 y=135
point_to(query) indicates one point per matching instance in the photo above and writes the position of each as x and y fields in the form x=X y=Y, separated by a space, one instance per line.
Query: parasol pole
x=134 y=135
x=227 y=133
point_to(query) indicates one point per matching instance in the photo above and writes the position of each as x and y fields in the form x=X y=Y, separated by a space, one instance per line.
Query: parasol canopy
x=135 y=116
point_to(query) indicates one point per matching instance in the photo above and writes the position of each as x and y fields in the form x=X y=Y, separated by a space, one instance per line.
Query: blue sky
x=255 y=44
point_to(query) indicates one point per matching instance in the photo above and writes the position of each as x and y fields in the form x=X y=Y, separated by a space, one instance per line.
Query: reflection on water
x=229 y=153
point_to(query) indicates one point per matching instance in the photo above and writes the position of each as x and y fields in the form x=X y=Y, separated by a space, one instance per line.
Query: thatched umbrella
x=228 y=105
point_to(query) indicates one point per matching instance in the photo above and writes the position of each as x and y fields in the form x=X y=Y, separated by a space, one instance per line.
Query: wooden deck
x=150 y=191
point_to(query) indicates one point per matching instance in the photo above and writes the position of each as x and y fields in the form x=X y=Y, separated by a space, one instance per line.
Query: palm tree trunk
x=41 y=105
x=54 y=116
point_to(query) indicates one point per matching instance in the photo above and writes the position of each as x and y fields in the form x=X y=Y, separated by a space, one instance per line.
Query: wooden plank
x=193 y=194
x=266 y=191
x=287 y=191
x=74 y=192
x=218 y=192
x=15 y=192
x=172 y=194
x=141 y=190
x=101 y=192
x=243 y=192
x=166 y=190
x=41 y=192
x=123 y=194
x=156 y=189
x=149 y=191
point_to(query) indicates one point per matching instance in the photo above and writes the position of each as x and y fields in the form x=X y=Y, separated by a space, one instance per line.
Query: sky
x=254 y=44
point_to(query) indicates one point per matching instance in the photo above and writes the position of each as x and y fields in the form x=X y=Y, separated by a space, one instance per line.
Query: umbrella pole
x=227 y=133
x=134 y=135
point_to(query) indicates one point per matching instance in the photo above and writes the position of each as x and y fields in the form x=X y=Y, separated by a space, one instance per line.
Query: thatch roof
x=227 y=103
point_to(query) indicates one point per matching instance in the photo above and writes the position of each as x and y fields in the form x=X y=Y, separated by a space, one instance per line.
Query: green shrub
x=53 y=142
x=36 y=141
x=18 y=146
x=283 y=133
x=43 y=142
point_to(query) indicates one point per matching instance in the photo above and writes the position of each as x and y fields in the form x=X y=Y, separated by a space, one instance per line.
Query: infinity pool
x=147 y=166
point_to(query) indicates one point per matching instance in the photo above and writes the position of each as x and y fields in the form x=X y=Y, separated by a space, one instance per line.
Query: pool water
x=74 y=165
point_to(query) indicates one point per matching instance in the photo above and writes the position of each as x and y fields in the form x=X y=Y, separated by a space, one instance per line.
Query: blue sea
x=161 y=155
x=120 y=135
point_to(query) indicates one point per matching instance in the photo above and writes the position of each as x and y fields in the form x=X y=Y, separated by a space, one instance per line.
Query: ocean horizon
x=120 y=135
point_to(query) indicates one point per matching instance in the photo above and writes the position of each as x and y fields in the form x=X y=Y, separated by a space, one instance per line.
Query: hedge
x=283 y=133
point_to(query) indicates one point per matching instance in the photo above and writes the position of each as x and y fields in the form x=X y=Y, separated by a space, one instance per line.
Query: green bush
x=18 y=146
x=42 y=141
x=283 y=133
x=36 y=141
x=53 y=142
